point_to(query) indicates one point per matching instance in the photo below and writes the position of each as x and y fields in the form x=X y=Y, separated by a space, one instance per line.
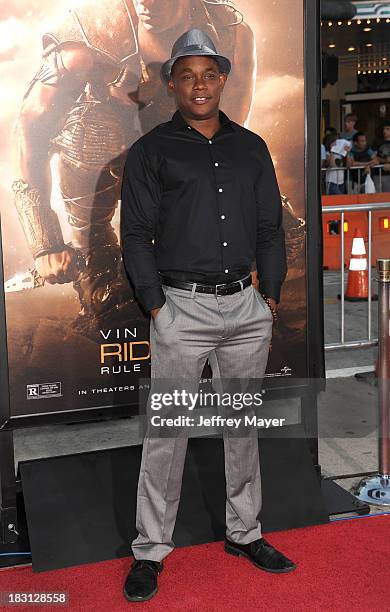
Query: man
x=363 y=156
x=97 y=90
x=336 y=152
x=382 y=149
x=200 y=202
x=162 y=21
x=350 y=130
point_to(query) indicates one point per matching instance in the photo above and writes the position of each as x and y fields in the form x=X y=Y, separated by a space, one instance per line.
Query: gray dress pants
x=234 y=332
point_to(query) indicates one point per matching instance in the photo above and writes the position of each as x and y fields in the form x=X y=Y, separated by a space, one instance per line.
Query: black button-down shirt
x=201 y=209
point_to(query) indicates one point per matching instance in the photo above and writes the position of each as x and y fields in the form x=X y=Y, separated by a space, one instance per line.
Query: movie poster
x=80 y=83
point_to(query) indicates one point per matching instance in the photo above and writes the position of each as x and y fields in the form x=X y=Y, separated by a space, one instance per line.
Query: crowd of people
x=350 y=164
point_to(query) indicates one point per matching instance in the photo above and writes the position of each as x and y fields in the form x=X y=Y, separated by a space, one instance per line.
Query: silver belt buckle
x=220 y=285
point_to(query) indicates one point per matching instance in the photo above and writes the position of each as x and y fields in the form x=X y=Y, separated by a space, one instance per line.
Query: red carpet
x=343 y=566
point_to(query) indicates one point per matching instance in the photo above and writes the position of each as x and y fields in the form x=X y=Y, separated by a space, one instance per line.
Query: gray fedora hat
x=194 y=42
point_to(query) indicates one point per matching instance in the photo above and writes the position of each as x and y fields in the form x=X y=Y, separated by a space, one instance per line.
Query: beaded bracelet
x=273 y=311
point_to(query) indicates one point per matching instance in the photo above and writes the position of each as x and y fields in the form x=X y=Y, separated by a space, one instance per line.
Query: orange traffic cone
x=357 y=287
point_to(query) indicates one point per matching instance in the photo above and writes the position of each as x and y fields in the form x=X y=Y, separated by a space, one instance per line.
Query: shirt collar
x=179 y=122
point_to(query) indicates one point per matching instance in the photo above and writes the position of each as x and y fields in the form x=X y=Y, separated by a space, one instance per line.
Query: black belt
x=222 y=289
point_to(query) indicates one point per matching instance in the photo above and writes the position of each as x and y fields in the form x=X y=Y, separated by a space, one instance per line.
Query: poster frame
x=314 y=282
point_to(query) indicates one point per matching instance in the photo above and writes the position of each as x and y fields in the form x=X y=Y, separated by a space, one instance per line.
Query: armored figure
x=97 y=90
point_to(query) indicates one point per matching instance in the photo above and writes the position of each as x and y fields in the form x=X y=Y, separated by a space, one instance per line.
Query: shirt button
x=225 y=244
x=210 y=142
x=220 y=190
x=226 y=271
x=216 y=164
x=222 y=216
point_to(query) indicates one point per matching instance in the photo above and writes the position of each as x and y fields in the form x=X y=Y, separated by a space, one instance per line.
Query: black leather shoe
x=141 y=582
x=261 y=554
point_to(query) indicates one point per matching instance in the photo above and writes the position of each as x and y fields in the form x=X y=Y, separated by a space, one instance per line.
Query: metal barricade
x=350 y=186
x=342 y=209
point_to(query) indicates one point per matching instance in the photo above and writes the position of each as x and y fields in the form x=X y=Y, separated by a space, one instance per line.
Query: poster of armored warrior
x=81 y=82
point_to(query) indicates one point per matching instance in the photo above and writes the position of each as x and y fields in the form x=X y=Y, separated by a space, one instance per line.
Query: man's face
x=159 y=15
x=197 y=85
x=386 y=132
x=361 y=143
x=350 y=125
